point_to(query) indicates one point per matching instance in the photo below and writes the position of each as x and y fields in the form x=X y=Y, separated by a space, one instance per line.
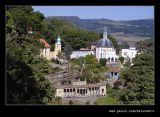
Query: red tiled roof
x=43 y=41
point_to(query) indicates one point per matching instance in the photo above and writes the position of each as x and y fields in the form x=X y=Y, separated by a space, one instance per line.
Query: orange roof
x=43 y=41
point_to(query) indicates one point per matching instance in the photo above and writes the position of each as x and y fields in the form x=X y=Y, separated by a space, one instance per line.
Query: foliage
x=106 y=101
x=139 y=81
x=115 y=43
x=70 y=102
x=146 y=45
x=70 y=34
x=124 y=45
x=67 y=51
x=91 y=70
x=121 y=59
x=142 y=27
x=26 y=83
x=103 y=61
x=57 y=101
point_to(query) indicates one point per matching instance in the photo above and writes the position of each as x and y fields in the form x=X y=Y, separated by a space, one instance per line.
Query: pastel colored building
x=45 y=51
x=81 y=89
x=128 y=54
x=102 y=49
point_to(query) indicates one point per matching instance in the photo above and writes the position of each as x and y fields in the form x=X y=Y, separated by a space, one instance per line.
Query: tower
x=105 y=33
x=58 y=45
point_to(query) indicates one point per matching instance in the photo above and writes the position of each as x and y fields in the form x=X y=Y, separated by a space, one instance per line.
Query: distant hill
x=142 y=27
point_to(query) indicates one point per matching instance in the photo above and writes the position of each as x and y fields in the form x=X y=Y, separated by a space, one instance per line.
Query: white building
x=81 y=53
x=45 y=52
x=128 y=54
x=105 y=49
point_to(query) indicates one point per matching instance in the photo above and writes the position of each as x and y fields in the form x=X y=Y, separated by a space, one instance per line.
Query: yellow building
x=80 y=89
x=45 y=52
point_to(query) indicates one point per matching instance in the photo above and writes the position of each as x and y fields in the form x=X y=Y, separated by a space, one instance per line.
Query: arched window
x=109 y=59
x=112 y=59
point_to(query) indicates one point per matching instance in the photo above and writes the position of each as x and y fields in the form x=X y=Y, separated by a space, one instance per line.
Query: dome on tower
x=105 y=42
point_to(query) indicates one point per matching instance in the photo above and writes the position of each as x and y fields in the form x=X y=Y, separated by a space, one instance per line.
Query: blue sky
x=94 y=12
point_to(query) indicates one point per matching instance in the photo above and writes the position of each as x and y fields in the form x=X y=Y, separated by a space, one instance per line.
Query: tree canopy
x=139 y=80
x=70 y=34
x=26 y=70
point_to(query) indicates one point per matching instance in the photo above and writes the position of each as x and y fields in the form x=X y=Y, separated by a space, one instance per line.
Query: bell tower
x=58 y=45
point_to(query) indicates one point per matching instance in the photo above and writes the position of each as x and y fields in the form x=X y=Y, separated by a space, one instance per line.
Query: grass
x=106 y=101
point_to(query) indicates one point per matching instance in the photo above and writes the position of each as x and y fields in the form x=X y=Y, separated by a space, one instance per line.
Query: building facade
x=103 y=49
x=81 y=53
x=128 y=54
x=45 y=51
x=81 y=89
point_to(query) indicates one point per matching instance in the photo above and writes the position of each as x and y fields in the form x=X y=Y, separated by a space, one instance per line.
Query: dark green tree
x=139 y=81
x=121 y=59
x=115 y=43
x=25 y=71
x=103 y=61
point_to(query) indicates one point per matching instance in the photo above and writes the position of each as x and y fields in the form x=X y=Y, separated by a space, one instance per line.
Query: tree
x=139 y=81
x=115 y=43
x=26 y=83
x=124 y=45
x=103 y=61
x=146 y=45
x=121 y=59
x=70 y=102
x=71 y=34
x=67 y=51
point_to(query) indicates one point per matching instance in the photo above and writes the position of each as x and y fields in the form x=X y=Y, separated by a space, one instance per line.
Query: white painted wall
x=45 y=52
x=77 y=54
x=131 y=53
x=106 y=53
x=59 y=93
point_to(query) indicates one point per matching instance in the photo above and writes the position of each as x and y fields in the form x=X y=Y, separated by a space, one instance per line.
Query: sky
x=97 y=12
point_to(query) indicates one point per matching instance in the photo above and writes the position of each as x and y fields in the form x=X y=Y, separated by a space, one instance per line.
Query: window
x=108 y=59
x=74 y=90
x=80 y=91
x=70 y=90
x=112 y=59
x=64 y=90
x=67 y=90
x=102 y=90
x=115 y=73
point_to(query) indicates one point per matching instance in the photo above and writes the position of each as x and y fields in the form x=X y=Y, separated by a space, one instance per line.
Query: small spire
x=58 y=39
x=105 y=29
x=105 y=33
